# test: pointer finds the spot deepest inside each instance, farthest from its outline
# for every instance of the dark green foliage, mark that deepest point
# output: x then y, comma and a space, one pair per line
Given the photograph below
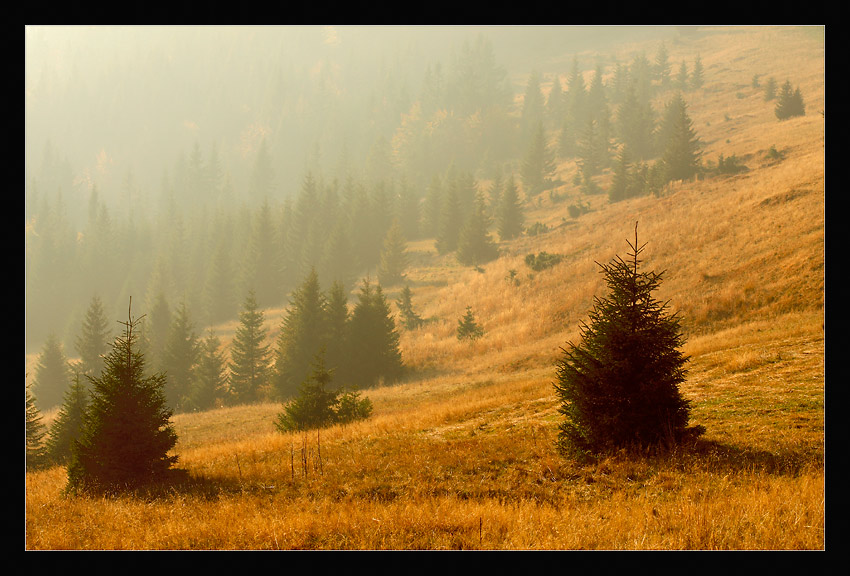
591, 153
475, 245
302, 334
336, 338
93, 341
52, 374
662, 66
682, 81
179, 359
537, 228
468, 328
249, 354
636, 125
374, 350
697, 77
127, 433
68, 424
510, 217
730, 165
625, 183
681, 145
210, 374
538, 166
619, 387
317, 406
542, 260
790, 102
770, 89
35, 433
409, 318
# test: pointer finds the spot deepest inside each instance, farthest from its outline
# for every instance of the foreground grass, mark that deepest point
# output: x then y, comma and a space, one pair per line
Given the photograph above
443, 466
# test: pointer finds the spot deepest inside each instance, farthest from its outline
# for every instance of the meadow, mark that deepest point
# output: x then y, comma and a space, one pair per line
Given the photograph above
461, 454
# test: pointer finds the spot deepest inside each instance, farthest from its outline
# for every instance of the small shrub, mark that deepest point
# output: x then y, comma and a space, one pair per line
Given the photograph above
317, 406
468, 328
541, 261
730, 165
537, 228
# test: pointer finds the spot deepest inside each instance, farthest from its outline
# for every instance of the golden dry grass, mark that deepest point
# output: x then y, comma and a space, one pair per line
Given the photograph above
461, 455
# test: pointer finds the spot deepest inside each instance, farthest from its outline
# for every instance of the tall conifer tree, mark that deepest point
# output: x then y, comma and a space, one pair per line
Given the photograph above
180, 357
375, 353
475, 245
682, 153
93, 341
52, 374
619, 387
68, 424
127, 434
302, 335
249, 354
35, 433
510, 212
210, 374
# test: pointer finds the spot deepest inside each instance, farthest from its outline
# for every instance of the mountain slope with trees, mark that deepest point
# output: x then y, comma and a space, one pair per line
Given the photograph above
461, 448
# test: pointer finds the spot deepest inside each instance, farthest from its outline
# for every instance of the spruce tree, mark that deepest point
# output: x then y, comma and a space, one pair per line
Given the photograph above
619, 387
93, 341
681, 156
538, 165
179, 359
68, 424
409, 318
249, 354
770, 89
697, 79
682, 77
302, 335
35, 433
662, 66
375, 353
52, 374
623, 184
319, 405
510, 213
210, 374
474, 244
313, 407
336, 337
468, 328
127, 433
789, 103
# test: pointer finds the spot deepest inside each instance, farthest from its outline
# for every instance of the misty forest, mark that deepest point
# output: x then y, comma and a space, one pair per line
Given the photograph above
238, 216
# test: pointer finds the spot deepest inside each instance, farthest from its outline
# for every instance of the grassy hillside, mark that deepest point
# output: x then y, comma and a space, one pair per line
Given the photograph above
462, 454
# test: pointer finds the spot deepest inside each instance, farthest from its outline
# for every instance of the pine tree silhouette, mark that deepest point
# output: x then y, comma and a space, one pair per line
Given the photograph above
127, 433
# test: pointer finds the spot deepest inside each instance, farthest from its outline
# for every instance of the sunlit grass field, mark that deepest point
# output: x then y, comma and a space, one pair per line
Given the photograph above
461, 454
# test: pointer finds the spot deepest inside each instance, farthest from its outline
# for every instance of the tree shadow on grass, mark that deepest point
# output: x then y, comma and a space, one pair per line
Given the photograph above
717, 456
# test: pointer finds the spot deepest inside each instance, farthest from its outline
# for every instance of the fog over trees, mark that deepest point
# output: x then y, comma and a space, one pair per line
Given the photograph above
197, 168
